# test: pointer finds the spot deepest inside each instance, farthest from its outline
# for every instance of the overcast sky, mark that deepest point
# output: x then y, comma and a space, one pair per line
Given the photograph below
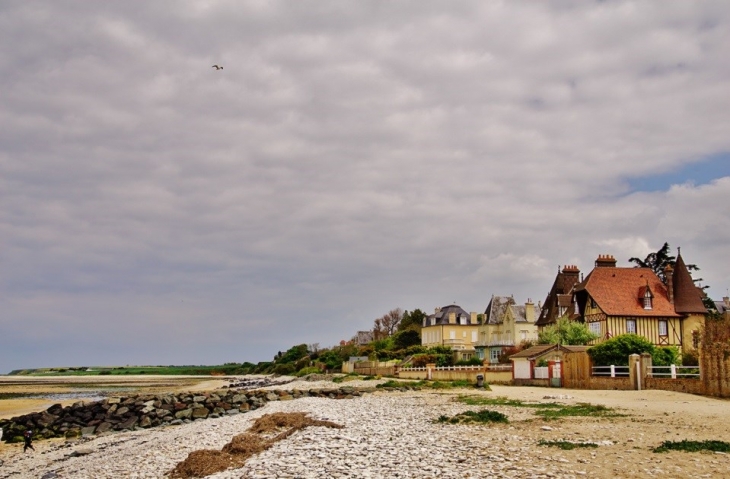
349, 158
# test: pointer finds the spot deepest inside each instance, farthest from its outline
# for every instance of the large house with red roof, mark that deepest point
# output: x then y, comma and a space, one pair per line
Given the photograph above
619, 300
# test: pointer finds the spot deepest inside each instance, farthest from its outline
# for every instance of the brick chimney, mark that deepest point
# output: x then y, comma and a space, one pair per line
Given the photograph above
571, 275
669, 281
605, 261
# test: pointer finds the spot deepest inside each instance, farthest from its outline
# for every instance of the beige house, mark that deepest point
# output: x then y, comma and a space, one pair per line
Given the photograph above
451, 326
506, 324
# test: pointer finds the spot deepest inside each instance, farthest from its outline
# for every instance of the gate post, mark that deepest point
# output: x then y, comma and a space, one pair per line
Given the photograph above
634, 372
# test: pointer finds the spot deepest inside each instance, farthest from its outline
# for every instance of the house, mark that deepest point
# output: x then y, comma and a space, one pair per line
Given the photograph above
525, 362
560, 298
451, 326
506, 324
618, 300
723, 307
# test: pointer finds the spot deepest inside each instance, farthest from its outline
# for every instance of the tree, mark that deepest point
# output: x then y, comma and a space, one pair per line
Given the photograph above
412, 320
658, 262
404, 339
565, 331
387, 324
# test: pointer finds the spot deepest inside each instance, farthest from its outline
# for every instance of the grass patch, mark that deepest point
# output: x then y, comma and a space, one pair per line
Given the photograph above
467, 417
565, 445
693, 446
544, 410
428, 384
579, 410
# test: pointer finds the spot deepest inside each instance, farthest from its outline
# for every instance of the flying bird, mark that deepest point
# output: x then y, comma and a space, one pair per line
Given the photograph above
217, 67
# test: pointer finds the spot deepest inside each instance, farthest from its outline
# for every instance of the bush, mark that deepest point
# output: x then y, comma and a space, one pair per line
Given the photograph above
302, 363
310, 370
284, 369
294, 354
469, 362
665, 356
691, 358
616, 351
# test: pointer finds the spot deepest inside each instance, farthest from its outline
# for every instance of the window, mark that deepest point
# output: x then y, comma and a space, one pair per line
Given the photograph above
593, 303
523, 335
473, 336
462, 319
595, 327
631, 326
463, 334
663, 330
452, 334
494, 355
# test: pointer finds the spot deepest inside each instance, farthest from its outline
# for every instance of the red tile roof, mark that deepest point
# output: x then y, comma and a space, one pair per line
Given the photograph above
618, 292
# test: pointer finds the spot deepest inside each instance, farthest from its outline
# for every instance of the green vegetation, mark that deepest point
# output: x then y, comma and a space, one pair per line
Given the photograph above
224, 369
427, 384
565, 331
466, 417
693, 446
580, 410
616, 351
544, 410
565, 445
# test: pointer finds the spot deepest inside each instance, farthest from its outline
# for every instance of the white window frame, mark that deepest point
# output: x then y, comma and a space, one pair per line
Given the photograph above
595, 327
663, 328
494, 355
631, 324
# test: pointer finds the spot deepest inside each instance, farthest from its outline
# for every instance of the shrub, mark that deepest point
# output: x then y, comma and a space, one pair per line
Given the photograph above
665, 356
616, 350
469, 362
420, 360
309, 370
302, 363
691, 358
284, 369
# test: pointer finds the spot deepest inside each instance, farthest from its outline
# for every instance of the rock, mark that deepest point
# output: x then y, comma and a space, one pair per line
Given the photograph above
199, 413
184, 414
87, 431
546, 428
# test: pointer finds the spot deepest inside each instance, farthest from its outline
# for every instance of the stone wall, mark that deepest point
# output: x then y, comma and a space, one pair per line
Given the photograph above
145, 411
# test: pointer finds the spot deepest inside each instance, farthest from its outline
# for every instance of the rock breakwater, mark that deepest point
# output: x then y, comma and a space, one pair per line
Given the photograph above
132, 412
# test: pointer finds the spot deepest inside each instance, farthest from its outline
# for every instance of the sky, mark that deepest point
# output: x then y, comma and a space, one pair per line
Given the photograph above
349, 158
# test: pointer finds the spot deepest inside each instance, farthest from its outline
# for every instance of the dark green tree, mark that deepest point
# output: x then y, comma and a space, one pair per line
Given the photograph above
294, 354
659, 260
412, 320
404, 339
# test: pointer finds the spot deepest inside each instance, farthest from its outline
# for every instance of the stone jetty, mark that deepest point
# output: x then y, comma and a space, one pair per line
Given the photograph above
128, 413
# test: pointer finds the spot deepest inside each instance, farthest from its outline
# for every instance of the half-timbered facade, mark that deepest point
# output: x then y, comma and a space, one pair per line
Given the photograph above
614, 301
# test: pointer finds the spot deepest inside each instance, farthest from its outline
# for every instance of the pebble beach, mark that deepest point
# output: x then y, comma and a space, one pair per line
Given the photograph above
395, 434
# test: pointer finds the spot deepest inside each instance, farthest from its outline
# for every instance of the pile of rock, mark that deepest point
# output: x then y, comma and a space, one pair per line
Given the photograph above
145, 411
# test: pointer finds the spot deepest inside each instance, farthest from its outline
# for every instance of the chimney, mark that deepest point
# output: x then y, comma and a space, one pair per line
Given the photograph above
472, 318
605, 261
529, 311
570, 277
452, 318
726, 300
669, 281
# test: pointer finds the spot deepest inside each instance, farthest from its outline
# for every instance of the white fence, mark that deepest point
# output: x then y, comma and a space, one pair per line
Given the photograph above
611, 371
496, 367
673, 371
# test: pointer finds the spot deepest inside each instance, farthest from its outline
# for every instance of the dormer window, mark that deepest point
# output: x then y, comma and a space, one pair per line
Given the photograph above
647, 298
462, 319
